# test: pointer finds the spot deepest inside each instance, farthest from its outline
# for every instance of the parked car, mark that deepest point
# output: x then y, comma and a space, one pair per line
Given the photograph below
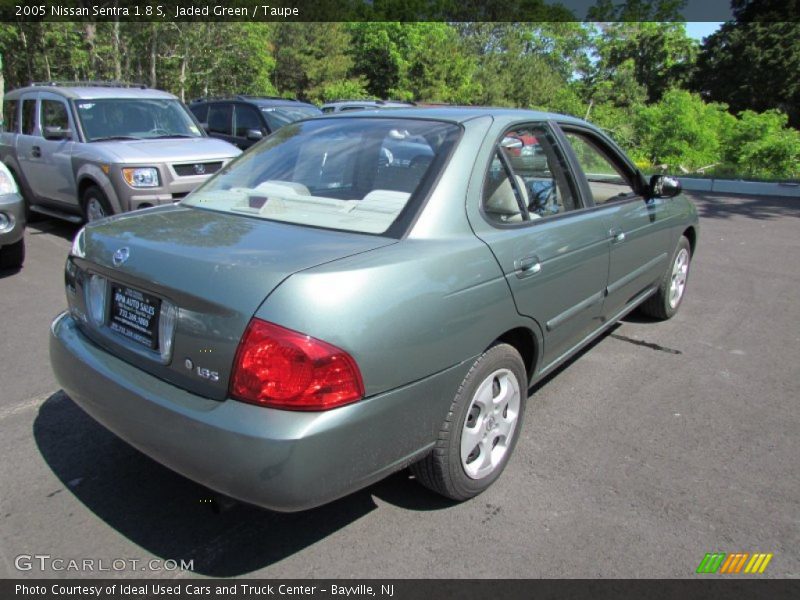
244, 120
346, 105
12, 222
82, 151
349, 316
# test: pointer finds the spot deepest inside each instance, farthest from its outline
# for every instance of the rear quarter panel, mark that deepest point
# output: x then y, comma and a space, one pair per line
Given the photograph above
403, 312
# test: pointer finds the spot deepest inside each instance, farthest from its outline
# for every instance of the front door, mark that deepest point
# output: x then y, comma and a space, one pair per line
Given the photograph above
637, 227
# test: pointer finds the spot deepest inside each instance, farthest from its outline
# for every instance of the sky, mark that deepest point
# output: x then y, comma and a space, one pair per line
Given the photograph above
699, 30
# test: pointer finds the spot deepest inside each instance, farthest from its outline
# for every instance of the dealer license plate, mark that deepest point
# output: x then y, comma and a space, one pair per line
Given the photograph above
134, 315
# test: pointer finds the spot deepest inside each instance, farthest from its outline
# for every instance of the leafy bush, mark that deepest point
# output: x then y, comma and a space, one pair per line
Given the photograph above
682, 131
761, 145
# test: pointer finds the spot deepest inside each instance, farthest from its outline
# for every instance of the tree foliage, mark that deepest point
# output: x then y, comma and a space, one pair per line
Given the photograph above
752, 65
632, 72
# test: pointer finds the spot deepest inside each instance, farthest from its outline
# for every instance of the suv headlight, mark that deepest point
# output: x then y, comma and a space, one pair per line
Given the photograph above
141, 177
7, 183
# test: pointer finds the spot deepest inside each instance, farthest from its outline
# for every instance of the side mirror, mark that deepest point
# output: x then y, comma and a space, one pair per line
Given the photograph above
254, 134
664, 186
52, 132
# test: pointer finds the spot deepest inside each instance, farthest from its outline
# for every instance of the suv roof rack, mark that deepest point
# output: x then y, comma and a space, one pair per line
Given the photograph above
87, 83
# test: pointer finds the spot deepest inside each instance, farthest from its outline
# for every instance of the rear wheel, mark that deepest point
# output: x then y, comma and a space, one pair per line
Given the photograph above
95, 204
481, 429
13, 255
666, 301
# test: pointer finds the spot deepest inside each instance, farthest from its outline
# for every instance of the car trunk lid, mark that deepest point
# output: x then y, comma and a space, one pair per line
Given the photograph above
215, 268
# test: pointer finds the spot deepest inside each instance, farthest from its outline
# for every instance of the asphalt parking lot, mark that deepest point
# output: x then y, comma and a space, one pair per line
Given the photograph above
659, 443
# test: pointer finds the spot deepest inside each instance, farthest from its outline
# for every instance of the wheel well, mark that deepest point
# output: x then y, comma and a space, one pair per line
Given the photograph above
524, 342
84, 184
691, 235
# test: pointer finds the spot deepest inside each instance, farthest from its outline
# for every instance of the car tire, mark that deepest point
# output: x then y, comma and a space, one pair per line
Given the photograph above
95, 204
672, 287
482, 426
13, 255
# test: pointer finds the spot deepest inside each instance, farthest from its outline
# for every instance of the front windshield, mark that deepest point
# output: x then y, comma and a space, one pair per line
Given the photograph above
278, 116
349, 174
135, 118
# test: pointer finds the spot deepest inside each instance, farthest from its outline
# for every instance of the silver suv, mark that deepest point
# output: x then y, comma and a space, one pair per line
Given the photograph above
81, 151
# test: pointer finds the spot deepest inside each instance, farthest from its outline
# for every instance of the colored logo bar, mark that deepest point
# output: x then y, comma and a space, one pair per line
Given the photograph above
734, 563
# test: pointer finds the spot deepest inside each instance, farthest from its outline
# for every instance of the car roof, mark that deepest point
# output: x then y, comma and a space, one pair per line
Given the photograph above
256, 100
460, 114
90, 92
368, 103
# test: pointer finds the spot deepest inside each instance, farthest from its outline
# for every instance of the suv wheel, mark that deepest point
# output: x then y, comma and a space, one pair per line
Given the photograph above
95, 204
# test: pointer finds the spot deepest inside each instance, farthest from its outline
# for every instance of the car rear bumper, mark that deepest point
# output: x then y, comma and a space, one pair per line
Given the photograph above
13, 207
281, 460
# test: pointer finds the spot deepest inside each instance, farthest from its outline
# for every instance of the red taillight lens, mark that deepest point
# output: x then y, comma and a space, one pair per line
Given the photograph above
281, 368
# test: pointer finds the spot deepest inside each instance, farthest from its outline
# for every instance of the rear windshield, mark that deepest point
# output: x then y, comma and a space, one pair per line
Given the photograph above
118, 118
349, 174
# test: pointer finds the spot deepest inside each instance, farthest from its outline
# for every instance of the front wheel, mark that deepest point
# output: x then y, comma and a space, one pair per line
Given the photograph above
481, 429
95, 204
666, 301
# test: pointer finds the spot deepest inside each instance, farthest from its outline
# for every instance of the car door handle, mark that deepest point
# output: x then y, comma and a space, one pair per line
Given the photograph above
527, 266
36, 152
617, 235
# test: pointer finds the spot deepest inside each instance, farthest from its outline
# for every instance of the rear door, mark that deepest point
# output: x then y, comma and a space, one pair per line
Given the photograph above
47, 164
29, 150
637, 227
553, 252
220, 121
56, 179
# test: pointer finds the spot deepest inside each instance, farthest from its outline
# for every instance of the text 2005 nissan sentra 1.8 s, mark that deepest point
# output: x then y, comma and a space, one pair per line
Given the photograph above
364, 292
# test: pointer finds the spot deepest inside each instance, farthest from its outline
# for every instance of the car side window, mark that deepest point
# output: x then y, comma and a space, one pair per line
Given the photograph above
246, 118
54, 114
502, 201
607, 181
11, 120
528, 178
219, 118
201, 112
28, 116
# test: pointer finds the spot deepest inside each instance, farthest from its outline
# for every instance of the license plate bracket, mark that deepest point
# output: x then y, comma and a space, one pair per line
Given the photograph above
134, 315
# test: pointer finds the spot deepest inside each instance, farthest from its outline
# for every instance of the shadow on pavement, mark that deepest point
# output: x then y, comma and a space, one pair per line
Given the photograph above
715, 206
171, 517
9, 272
46, 225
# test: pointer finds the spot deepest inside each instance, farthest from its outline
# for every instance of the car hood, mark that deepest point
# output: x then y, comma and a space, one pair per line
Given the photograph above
169, 150
217, 268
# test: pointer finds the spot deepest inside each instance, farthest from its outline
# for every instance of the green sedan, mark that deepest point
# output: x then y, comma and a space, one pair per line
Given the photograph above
320, 313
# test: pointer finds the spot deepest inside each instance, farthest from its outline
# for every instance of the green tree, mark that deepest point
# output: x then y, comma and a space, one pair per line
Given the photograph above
762, 145
752, 66
313, 61
527, 64
660, 55
682, 131
404, 61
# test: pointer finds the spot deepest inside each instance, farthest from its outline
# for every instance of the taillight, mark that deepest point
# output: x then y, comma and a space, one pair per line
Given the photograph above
281, 368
